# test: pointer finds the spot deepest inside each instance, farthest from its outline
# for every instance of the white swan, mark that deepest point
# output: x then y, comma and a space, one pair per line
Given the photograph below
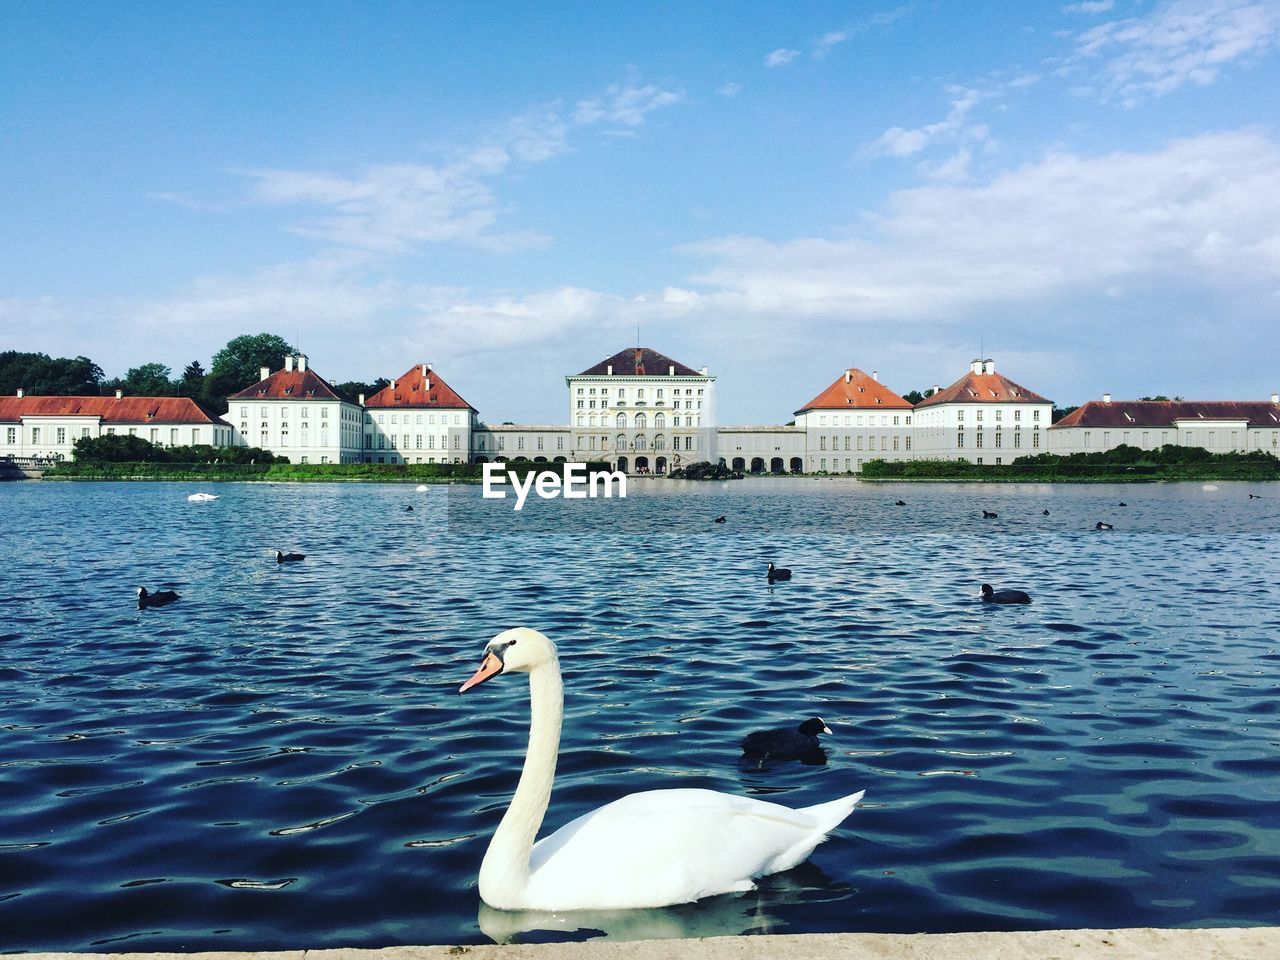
202, 497
649, 849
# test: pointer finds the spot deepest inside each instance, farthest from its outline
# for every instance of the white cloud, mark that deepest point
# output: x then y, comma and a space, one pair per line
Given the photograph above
393, 208
822, 46
900, 142
780, 57
625, 104
1180, 43
396, 207
1090, 6
1206, 208
730, 89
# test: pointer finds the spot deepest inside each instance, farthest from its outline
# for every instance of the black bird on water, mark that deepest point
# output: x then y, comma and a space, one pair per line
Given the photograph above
1003, 596
786, 744
1103, 526
719, 520
408, 509
1254, 496
1123, 504
1046, 513
988, 515
289, 557
158, 599
900, 503
778, 573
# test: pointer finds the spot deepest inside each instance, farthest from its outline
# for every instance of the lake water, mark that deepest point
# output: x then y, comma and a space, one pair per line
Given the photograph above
281, 759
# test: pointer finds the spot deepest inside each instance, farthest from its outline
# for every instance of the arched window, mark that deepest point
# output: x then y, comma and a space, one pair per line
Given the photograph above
641, 443
641, 421
659, 442
622, 421
659, 421
620, 442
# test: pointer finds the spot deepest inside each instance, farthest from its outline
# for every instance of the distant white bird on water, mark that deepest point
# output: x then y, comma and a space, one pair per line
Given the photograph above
647, 849
201, 498
421, 488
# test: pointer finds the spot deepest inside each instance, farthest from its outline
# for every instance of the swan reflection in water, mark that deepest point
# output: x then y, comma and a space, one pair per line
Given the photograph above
731, 914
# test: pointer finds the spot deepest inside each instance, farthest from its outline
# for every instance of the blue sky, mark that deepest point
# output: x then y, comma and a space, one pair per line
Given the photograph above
1090, 190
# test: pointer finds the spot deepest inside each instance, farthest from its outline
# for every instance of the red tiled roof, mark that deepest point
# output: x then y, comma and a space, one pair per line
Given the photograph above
983, 388
418, 387
639, 362
109, 409
1162, 413
854, 390
290, 385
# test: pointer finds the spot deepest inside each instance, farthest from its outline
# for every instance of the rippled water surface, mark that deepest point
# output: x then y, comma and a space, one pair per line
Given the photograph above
281, 758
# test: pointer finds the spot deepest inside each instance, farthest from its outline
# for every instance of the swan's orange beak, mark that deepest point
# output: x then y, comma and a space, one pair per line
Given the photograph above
491, 666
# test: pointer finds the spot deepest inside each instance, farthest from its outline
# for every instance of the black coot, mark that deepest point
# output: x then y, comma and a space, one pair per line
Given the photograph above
1003, 596
289, 557
786, 744
778, 573
158, 599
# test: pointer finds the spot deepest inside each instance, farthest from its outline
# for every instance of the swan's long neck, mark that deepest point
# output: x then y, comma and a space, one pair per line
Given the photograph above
505, 868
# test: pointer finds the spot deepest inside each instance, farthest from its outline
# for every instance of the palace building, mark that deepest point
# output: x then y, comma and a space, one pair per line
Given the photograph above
1219, 426
644, 413
984, 417
46, 428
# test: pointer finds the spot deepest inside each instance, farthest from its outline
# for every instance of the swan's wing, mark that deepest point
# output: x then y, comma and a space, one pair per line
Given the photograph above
668, 846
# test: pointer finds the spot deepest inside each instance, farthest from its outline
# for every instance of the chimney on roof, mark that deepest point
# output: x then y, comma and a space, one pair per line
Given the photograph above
1275, 397
671, 370
1106, 397
264, 372
848, 376
875, 375
302, 363
609, 371
425, 368
936, 389
360, 399
393, 384
119, 393
703, 371
288, 363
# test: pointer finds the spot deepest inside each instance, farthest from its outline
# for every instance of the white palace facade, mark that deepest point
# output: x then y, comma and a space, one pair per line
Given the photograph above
643, 413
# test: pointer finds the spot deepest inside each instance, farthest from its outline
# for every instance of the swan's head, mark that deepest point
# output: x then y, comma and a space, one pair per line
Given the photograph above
520, 650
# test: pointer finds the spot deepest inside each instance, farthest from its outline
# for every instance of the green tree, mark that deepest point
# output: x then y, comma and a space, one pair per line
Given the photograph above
238, 363
915, 396
149, 380
192, 383
41, 374
1060, 412
353, 388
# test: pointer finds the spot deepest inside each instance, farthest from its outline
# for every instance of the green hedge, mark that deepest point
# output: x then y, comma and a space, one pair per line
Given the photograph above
384, 472
1121, 464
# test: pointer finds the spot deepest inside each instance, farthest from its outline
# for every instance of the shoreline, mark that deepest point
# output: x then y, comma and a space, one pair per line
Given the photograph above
1133, 943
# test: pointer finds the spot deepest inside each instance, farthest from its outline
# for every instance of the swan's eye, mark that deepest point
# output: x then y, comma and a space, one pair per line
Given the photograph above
511, 643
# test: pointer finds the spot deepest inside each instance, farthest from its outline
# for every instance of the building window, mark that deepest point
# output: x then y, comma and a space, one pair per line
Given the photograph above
539, 443
519, 443
11, 435
1035, 414
62, 435
822, 442
620, 442
1017, 440
1017, 415
1035, 439
173, 437
895, 443
960, 439
979, 440
688, 443
999, 414
908, 443
1086, 438
998, 438
502, 443
621, 422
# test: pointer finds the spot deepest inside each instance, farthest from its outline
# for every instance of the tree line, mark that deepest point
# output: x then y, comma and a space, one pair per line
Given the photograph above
233, 368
